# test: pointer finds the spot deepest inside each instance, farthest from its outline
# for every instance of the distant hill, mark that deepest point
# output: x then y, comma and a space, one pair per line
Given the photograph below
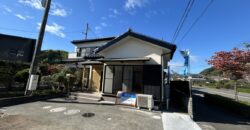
211, 72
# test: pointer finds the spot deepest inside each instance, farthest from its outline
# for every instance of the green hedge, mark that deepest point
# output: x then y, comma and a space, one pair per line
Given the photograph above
231, 105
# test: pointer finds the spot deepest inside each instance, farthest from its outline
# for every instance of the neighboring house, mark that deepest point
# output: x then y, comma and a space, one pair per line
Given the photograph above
16, 49
131, 62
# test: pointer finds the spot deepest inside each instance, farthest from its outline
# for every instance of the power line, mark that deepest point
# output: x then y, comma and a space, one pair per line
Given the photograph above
183, 19
197, 19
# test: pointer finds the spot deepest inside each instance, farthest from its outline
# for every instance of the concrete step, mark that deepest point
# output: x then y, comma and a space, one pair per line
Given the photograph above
85, 97
79, 98
82, 94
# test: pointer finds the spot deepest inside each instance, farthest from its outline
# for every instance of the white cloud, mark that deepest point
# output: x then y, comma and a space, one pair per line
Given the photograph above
54, 29
132, 4
104, 24
20, 16
114, 13
193, 58
98, 28
56, 8
59, 12
32, 3
6, 8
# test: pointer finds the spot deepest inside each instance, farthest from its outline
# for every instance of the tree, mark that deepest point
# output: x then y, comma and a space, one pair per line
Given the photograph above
52, 56
247, 45
233, 63
22, 76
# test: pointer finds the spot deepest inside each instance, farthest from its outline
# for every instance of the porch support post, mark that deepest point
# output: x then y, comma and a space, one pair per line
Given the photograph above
90, 76
103, 77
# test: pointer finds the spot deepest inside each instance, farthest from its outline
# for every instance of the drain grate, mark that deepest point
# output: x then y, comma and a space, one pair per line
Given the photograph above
88, 114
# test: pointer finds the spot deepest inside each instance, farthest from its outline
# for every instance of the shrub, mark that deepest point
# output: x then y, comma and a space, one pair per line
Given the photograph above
22, 76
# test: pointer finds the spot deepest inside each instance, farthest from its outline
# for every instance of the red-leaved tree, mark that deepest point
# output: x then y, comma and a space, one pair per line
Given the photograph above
234, 63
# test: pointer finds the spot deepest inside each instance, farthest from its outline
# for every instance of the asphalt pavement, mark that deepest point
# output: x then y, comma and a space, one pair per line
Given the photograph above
212, 117
58, 114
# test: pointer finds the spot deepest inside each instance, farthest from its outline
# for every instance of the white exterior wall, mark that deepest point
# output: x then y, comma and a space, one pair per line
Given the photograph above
134, 48
72, 55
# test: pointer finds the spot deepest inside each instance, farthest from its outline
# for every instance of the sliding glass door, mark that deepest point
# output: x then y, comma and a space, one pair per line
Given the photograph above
126, 78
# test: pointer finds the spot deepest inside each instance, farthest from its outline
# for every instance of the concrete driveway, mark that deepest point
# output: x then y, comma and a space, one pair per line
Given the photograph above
56, 114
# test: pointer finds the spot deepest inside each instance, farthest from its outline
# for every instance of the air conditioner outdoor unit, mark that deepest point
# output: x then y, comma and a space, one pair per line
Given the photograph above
145, 101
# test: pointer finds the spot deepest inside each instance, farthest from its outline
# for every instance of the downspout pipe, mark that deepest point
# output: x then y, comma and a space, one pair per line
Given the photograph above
163, 79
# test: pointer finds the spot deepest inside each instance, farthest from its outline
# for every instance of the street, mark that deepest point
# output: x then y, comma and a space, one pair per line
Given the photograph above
59, 114
211, 117
224, 92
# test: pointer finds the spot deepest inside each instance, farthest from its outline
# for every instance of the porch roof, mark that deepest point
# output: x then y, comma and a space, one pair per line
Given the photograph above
124, 59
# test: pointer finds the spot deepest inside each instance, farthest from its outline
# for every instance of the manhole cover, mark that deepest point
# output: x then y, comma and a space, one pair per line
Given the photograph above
88, 114
59, 109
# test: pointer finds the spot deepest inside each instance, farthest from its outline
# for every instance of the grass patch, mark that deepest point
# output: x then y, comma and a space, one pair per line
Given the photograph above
246, 103
241, 108
244, 90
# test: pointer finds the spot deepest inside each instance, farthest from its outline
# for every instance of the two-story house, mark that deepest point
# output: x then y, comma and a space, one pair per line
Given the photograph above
131, 62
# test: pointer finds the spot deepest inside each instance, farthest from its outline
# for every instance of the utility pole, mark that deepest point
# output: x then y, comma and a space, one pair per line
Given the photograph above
86, 31
34, 63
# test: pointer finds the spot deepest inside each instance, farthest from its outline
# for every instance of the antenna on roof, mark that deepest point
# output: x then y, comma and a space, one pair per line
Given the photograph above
86, 31
129, 30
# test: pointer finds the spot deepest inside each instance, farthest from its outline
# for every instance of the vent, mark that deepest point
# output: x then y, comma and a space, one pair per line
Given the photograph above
145, 101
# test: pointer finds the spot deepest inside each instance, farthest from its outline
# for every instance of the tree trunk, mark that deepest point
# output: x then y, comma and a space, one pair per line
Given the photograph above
236, 91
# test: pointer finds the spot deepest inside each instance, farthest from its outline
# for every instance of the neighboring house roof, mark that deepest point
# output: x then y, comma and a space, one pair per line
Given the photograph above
72, 60
154, 41
125, 59
18, 37
92, 40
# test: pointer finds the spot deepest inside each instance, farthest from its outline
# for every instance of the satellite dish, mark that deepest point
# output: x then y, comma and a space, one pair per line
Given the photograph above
44, 3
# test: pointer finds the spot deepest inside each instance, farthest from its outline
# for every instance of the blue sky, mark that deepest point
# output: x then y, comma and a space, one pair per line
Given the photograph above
225, 25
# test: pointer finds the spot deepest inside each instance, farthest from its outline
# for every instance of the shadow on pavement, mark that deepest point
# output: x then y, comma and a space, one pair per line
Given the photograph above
25, 99
204, 112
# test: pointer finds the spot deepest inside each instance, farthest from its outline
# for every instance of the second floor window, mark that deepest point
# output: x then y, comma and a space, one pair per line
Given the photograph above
81, 52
